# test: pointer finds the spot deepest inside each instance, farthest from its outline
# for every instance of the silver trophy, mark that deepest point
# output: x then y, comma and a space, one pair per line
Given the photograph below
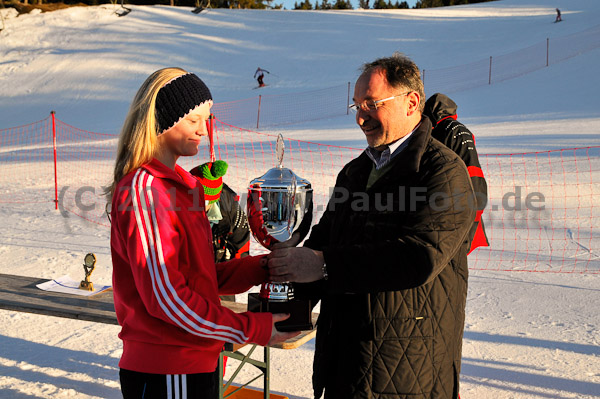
279, 208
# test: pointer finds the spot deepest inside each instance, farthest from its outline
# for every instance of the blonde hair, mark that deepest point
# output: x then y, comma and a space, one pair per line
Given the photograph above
138, 142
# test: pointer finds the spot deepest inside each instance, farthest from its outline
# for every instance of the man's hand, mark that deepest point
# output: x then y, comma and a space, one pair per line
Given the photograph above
301, 265
278, 336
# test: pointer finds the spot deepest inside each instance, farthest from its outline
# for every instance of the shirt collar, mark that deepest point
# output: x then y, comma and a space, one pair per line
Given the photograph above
382, 158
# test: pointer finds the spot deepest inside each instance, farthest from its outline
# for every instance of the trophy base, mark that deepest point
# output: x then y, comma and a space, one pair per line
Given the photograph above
300, 311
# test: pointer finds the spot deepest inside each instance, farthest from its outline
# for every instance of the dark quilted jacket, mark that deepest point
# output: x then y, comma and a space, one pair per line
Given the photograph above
392, 310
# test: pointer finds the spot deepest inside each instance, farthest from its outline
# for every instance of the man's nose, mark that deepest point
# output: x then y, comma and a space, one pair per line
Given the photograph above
361, 116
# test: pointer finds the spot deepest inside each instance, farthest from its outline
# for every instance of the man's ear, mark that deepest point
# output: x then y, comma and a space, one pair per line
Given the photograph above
414, 99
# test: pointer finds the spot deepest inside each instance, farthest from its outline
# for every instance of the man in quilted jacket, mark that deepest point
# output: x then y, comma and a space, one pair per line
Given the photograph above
388, 259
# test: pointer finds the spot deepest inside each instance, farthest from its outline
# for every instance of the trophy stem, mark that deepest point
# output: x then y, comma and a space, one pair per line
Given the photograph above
277, 292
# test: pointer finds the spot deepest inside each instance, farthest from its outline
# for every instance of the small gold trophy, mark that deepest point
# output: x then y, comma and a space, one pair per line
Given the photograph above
89, 264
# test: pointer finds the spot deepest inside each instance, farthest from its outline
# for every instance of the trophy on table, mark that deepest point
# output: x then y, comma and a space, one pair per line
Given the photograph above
89, 264
279, 209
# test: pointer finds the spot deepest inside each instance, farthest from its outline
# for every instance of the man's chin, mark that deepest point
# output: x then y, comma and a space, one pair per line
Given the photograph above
375, 144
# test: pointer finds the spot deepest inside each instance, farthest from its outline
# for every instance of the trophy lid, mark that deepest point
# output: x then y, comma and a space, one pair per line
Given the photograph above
280, 178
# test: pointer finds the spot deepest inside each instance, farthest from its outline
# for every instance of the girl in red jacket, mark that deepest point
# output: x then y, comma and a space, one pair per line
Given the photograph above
166, 284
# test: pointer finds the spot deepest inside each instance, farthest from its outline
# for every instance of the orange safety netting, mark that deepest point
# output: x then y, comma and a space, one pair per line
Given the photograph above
540, 215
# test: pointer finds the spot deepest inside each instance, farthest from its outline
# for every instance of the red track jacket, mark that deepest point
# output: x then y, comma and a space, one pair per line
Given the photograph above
166, 285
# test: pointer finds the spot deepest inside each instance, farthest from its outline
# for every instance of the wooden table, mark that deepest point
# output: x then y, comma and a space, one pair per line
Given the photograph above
19, 293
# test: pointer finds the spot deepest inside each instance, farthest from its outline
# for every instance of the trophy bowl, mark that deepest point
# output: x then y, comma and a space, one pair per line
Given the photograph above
279, 208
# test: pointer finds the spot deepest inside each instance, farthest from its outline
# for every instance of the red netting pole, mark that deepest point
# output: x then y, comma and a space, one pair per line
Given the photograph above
215, 134
55, 166
258, 116
210, 124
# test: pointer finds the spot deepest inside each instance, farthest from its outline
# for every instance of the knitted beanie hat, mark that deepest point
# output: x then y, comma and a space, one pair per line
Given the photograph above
211, 175
178, 98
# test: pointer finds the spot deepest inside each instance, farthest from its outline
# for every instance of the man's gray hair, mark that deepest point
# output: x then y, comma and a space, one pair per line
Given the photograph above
401, 73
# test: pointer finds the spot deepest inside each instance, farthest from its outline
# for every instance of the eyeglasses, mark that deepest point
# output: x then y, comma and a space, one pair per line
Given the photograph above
372, 105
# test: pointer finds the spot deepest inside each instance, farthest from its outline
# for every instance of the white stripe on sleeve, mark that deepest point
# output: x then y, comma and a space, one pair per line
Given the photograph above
144, 208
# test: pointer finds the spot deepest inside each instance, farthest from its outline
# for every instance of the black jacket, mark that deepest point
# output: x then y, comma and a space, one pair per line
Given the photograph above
232, 233
392, 309
441, 110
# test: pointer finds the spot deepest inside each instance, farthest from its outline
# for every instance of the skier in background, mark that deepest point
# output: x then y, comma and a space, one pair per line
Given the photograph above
558, 17
259, 75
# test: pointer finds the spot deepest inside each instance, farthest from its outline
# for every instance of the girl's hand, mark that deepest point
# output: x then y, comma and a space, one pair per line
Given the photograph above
278, 336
